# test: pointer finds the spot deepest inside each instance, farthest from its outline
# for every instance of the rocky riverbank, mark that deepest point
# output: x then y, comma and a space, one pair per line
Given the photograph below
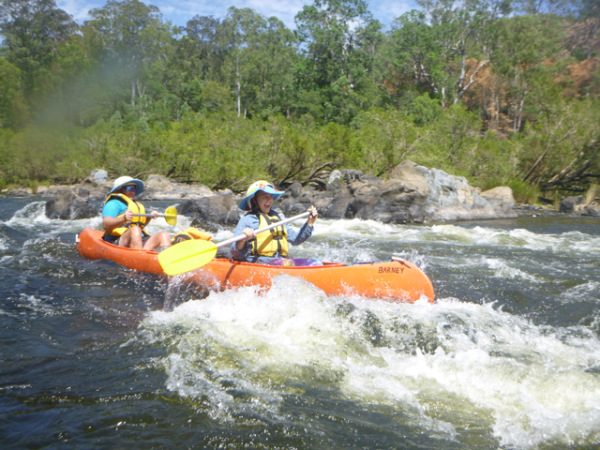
412, 194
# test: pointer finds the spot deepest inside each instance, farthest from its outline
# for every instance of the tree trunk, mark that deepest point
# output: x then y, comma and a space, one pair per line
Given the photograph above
238, 86
521, 103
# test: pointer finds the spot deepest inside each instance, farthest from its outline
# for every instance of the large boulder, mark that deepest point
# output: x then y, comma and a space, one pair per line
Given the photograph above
570, 204
591, 209
501, 197
78, 209
386, 202
412, 194
208, 211
99, 176
294, 190
94, 190
413, 177
448, 197
70, 203
158, 187
337, 207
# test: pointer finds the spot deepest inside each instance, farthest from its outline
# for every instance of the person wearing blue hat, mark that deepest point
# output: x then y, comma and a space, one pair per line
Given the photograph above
268, 246
120, 225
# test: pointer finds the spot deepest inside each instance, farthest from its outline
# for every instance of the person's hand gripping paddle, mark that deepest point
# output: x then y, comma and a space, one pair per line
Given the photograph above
190, 255
170, 215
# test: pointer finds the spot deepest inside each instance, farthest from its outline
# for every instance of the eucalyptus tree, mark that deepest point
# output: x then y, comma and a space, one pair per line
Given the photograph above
273, 68
33, 33
339, 39
589, 8
131, 35
13, 109
521, 50
199, 49
554, 7
176, 79
417, 53
439, 44
239, 35
584, 37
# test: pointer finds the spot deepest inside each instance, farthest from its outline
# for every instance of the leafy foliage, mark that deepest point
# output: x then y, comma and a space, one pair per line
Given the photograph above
501, 92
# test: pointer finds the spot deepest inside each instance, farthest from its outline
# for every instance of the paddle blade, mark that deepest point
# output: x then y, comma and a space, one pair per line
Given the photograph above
171, 215
186, 256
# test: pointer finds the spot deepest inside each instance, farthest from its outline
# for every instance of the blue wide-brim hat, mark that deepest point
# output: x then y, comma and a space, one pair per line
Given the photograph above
264, 186
122, 181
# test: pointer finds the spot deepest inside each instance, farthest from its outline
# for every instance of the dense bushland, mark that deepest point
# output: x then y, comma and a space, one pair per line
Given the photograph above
500, 92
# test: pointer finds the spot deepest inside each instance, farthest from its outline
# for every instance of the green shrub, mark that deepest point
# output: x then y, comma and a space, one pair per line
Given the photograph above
524, 192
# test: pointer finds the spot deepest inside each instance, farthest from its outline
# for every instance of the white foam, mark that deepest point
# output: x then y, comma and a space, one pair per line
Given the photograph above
502, 269
581, 292
241, 350
569, 242
3, 243
32, 220
36, 305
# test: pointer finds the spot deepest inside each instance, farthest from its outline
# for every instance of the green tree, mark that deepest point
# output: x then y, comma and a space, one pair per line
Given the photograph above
521, 46
199, 49
388, 137
33, 32
554, 7
13, 109
240, 33
340, 39
435, 45
273, 68
132, 35
563, 144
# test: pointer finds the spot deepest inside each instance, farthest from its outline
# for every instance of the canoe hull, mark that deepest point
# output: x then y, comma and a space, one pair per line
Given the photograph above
395, 280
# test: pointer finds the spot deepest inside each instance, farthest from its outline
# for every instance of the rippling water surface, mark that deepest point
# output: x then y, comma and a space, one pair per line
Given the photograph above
508, 356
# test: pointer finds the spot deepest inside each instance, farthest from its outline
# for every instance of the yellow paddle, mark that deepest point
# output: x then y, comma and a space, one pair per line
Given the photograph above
170, 215
192, 254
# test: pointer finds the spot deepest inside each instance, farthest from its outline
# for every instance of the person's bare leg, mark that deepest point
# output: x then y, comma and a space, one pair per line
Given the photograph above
132, 238
162, 239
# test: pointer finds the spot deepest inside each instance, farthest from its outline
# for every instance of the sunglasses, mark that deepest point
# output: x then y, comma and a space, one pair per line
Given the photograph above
129, 188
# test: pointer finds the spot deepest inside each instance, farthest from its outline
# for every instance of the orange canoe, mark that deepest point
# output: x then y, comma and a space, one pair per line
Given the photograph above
394, 280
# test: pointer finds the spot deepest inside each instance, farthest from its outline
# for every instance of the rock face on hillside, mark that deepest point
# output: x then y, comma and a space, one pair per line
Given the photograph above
412, 194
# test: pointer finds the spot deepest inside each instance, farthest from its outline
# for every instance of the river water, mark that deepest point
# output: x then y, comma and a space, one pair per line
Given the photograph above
508, 357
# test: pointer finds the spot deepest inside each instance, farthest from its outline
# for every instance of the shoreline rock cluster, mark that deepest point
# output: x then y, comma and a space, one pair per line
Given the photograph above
412, 194
580, 206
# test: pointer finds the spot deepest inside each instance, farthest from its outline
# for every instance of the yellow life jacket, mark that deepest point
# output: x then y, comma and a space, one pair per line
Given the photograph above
135, 207
190, 233
270, 242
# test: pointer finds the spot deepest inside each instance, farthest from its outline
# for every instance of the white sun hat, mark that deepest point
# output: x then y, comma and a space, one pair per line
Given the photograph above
122, 181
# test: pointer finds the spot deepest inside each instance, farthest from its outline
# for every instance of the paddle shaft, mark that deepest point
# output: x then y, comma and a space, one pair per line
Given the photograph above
152, 215
241, 237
